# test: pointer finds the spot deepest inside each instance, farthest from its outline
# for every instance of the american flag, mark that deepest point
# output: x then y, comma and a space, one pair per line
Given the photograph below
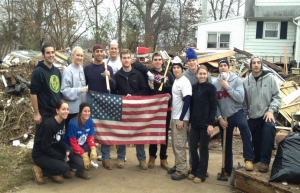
121, 120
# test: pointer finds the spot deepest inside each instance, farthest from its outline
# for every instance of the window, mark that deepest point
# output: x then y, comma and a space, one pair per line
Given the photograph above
212, 41
271, 30
218, 40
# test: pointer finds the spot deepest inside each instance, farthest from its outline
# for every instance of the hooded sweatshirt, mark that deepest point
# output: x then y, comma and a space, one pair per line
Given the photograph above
261, 96
45, 83
193, 77
73, 80
230, 99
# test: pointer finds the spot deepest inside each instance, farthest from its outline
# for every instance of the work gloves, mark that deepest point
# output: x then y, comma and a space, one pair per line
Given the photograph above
93, 155
86, 161
150, 76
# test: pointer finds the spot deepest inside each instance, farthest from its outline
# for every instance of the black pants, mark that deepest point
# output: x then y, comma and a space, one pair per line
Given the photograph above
76, 161
44, 118
51, 166
163, 148
198, 136
263, 137
68, 119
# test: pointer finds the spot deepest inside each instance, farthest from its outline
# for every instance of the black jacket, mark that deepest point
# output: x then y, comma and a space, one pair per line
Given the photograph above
50, 135
167, 88
45, 83
135, 85
203, 105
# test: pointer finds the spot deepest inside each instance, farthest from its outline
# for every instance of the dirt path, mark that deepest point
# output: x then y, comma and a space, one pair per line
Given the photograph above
132, 179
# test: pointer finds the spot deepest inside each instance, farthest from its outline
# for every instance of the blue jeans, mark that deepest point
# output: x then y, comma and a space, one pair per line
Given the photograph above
263, 134
238, 119
140, 152
105, 152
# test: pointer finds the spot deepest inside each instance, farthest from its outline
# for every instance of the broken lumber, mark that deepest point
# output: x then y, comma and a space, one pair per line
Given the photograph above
271, 65
11, 57
215, 57
63, 50
213, 63
61, 55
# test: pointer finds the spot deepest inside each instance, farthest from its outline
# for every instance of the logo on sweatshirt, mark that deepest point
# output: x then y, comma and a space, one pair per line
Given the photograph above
223, 94
54, 83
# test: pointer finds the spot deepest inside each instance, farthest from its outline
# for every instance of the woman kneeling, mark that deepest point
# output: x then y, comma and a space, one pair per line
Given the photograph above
50, 153
203, 111
80, 136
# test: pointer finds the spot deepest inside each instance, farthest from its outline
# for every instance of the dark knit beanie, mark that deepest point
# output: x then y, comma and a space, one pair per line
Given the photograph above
190, 54
223, 60
82, 105
96, 47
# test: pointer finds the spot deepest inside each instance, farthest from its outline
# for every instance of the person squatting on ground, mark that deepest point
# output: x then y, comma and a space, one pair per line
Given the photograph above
95, 80
45, 86
262, 103
50, 153
203, 110
114, 61
73, 86
230, 93
80, 136
191, 74
130, 82
156, 74
181, 96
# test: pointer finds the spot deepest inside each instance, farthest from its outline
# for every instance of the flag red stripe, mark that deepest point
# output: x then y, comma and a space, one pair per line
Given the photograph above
100, 125
146, 134
143, 119
144, 97
125, 105
106, 142
162, 110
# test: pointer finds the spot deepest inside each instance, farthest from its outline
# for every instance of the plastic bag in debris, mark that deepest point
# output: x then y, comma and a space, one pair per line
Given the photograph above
17, 89
286, 166
296, 128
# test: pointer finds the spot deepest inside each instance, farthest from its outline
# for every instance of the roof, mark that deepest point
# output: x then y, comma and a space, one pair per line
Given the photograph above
199, 24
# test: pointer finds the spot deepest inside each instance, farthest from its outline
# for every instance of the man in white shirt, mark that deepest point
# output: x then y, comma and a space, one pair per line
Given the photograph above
181, 95
114, 61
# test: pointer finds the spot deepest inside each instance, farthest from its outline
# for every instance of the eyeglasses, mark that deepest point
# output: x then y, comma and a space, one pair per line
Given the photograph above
157, 60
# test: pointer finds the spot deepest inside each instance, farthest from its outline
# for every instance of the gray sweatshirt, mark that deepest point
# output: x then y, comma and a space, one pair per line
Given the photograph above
230, 99
261, 96
193, 77
72, 81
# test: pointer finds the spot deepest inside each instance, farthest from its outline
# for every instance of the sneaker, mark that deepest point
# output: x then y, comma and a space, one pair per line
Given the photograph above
164, 164
263, 167
82, 174
226, 174
67, 175
57, 179
190, 169
171, 170
249, 166
120, 163
191, 176
38, 175
151, 162
178, 176
106, 165
143, 165
197, 180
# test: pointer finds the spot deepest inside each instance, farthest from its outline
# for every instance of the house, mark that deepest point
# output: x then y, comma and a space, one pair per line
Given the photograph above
221, 35
270, 25
266, 27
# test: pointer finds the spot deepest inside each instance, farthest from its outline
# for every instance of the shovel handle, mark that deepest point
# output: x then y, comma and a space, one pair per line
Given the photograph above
224, 145
161, 85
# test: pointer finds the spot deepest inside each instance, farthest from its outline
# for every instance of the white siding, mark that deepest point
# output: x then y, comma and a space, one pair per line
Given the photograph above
276, 2
233, 26
269, 47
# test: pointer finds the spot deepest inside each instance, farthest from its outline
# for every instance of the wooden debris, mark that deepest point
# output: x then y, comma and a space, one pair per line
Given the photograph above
215, 57
61, 55
271, 65
63, 50
11, 57
214, 63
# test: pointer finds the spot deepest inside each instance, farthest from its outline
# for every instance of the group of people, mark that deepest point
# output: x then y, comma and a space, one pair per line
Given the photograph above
59, 100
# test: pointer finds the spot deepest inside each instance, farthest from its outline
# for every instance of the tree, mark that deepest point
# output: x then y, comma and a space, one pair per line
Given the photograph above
147, 17
223, 9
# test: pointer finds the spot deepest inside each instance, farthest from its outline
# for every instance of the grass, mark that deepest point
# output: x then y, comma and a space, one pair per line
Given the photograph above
15, 167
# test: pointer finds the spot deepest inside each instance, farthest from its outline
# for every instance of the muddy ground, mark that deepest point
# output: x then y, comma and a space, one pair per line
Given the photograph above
133, 179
